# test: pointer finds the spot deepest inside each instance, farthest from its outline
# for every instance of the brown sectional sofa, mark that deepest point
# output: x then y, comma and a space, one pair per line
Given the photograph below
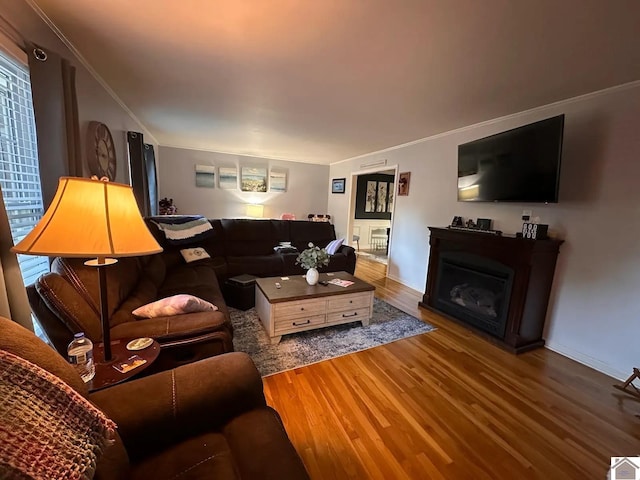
66, 300
208, 419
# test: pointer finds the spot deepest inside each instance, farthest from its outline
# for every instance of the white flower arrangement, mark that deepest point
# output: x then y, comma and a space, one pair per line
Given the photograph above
313, 257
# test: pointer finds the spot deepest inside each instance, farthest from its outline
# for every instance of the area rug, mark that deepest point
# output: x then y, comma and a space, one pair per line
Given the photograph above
296, 350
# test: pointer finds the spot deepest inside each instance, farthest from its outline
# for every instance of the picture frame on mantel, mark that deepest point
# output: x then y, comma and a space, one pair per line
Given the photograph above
338, 185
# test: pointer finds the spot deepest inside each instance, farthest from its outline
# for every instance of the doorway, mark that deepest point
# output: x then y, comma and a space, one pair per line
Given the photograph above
371, 212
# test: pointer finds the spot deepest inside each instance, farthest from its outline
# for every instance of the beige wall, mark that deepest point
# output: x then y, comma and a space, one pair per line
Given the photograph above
94, 101
307, 186
594, 314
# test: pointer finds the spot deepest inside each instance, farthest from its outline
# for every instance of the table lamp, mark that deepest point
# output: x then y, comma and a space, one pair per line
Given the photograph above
91, 218
255, 211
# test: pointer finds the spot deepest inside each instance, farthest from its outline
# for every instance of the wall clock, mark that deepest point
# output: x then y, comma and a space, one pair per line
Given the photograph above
101, 154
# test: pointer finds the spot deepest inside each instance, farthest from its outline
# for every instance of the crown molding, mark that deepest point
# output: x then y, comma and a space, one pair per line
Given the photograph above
568, 101
54, 28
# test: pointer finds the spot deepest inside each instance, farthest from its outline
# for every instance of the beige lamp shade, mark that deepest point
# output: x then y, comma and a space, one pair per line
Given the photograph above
90, 218
255, 211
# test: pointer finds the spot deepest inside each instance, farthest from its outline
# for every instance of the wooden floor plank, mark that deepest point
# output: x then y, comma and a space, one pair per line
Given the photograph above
450, 405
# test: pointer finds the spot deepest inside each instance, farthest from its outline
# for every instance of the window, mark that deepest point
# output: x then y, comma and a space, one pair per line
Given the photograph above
19, 169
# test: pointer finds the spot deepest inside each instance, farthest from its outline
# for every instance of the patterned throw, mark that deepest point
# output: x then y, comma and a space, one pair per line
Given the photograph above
47, 429
183, 229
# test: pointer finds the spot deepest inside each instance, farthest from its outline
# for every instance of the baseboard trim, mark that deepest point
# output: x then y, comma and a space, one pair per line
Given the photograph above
586, 360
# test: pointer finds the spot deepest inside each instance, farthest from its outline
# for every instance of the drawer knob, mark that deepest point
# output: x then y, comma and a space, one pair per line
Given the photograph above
297, 324
344, 315
301, 308
350, 301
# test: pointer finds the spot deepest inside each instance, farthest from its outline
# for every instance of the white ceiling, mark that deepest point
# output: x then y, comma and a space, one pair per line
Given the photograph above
324, 80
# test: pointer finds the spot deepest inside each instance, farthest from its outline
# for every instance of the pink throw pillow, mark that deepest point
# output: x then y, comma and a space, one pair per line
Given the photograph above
175, 305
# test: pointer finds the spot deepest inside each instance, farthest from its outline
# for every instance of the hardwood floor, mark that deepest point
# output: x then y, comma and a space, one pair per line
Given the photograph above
450, 405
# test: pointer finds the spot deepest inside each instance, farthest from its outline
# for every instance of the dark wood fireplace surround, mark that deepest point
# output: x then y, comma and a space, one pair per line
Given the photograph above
533, 263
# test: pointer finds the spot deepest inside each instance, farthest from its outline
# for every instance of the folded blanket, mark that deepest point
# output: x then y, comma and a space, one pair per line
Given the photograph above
47, 429
184, 229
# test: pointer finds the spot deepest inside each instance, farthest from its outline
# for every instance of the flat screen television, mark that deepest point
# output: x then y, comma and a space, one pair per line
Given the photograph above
519, 165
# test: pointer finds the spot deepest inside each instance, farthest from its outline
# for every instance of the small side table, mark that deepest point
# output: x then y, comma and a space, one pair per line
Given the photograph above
106, 375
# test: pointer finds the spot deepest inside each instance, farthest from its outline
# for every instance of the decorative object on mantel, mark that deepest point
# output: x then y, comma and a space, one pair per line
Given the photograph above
404, 179
534, 231
628, 386
101, 153
167, 207
310, 259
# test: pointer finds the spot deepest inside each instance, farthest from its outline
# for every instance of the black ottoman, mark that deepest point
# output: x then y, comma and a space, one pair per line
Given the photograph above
240, 292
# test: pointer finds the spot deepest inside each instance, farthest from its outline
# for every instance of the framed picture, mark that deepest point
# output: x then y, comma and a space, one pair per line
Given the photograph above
374, 196
253, 179
403, 183
337, 185
228, 178
205, 176
277, 181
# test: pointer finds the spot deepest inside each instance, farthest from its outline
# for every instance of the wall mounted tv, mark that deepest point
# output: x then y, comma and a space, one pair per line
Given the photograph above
519, 165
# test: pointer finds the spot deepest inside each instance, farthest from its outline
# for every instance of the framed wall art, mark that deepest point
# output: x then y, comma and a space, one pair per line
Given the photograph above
403, 183
228, 177
338, 185
253, 179
205, 176
374, 196
277, 181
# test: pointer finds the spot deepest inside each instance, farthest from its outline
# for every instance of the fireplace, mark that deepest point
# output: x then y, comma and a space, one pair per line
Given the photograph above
474, 289
496, 285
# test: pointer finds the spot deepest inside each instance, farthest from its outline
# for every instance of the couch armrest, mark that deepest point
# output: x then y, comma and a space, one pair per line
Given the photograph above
159, 410
347, 250
172, 327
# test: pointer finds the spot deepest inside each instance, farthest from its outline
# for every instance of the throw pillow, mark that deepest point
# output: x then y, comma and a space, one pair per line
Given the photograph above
333, 246
175, 305
193, 254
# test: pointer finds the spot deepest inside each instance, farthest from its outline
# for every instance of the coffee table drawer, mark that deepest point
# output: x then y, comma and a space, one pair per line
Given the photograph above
349, 315
290, 325
300, 308
349, 301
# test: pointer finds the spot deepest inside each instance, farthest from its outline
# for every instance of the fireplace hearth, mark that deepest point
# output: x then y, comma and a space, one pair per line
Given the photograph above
498, 286
474, 289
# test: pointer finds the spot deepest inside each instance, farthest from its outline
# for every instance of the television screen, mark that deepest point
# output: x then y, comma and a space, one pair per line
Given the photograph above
519, 165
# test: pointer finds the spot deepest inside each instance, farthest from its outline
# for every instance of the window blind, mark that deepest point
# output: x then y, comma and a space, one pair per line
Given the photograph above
19, 169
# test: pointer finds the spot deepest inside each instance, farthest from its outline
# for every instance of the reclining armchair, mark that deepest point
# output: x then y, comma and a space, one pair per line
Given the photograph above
207, 419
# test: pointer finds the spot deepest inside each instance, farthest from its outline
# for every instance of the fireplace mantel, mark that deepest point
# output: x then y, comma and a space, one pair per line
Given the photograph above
533, 263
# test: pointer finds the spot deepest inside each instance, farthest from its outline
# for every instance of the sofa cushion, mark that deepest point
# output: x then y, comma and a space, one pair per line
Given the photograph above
174, 305
259, 265
244, 237
319, 233
172, 327
122, 278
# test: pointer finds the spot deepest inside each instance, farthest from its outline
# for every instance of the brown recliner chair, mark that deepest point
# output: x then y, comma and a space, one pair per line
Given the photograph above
207, 419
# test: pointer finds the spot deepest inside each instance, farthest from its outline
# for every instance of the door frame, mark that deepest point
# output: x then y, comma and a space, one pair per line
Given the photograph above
352, 201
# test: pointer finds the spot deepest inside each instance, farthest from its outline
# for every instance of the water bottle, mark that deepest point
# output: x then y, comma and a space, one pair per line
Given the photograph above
80, 354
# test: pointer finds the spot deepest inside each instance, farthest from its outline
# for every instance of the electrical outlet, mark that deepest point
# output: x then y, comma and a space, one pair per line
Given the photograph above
526, 215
